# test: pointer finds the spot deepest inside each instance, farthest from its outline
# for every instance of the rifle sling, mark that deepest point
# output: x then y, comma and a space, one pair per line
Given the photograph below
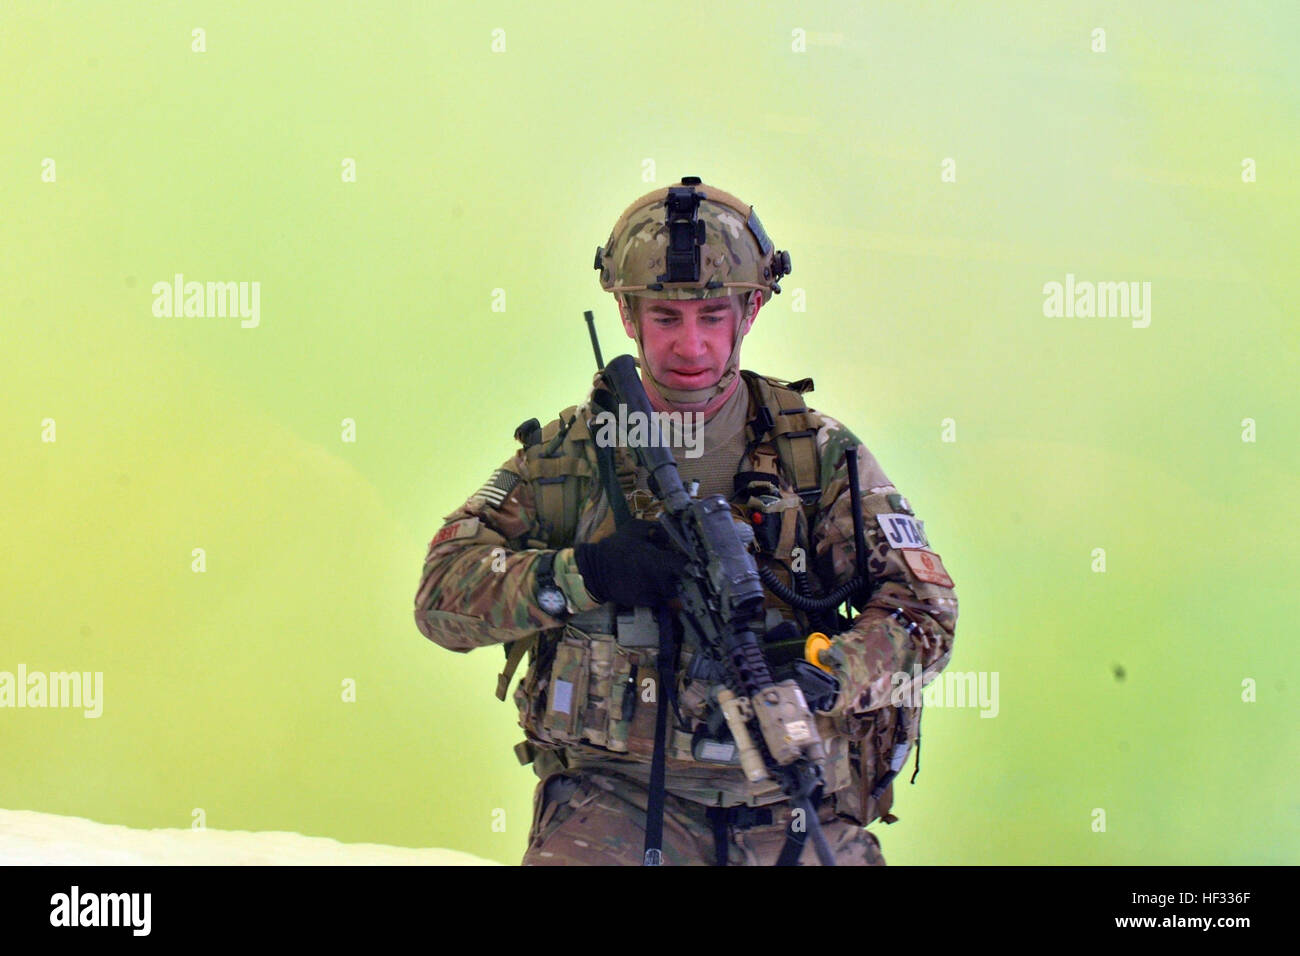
654, 811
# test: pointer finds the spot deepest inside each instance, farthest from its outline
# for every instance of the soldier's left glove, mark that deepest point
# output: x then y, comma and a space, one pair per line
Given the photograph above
636, 566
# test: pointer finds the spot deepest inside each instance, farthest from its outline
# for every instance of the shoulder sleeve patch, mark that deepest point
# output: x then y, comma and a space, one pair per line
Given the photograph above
902, 530
463, 528
497, 488
927, 566
899, 503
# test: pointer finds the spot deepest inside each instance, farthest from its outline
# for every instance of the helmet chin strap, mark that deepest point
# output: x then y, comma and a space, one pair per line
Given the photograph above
689, 396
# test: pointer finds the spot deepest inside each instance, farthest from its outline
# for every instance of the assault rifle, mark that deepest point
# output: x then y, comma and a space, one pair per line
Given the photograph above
721, 597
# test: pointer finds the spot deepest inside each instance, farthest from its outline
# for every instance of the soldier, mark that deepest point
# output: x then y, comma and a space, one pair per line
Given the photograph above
533, 561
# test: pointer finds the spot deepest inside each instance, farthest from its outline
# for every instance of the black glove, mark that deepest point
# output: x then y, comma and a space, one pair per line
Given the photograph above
636, 566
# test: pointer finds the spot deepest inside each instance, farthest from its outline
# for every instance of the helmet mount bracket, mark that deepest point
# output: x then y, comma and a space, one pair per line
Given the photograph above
686, 235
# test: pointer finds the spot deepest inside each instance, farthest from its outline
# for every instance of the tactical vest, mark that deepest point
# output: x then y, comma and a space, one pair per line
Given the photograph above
563, 482
782, 435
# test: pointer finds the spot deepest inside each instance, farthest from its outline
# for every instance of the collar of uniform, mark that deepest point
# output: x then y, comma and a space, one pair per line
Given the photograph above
722, 426
728, 420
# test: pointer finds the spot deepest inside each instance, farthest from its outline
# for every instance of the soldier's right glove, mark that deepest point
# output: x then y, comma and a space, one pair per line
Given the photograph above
636, 566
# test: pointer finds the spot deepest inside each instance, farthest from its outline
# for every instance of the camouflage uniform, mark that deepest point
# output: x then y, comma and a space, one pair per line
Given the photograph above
906, 628
586, 700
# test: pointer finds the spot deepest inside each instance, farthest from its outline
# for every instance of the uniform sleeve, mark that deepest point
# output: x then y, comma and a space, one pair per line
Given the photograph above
907, 625
479, 582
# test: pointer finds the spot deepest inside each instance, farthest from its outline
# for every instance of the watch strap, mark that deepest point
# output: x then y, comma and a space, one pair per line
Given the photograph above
546, 570
546, 583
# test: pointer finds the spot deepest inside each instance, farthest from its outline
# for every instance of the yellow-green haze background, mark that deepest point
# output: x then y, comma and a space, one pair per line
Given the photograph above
1161, 690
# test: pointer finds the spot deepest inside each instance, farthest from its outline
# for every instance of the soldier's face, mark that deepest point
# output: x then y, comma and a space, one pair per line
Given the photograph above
687, 341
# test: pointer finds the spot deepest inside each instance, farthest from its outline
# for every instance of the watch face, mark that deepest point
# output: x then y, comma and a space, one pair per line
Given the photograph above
551, 600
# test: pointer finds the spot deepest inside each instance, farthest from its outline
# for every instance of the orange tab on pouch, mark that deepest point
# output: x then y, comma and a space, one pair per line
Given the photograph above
926, 566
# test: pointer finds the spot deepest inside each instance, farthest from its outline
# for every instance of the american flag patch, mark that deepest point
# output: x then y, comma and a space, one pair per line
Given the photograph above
497, 488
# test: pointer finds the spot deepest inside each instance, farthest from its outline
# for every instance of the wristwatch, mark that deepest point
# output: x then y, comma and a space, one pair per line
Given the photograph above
549, 596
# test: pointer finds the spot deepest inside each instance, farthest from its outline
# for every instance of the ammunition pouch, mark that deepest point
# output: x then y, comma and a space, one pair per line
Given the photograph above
585, 688
878, 742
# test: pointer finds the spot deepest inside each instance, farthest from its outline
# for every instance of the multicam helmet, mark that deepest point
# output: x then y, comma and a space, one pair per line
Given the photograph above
690, 241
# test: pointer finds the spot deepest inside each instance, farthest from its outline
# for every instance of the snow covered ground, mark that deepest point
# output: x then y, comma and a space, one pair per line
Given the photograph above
29, 838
